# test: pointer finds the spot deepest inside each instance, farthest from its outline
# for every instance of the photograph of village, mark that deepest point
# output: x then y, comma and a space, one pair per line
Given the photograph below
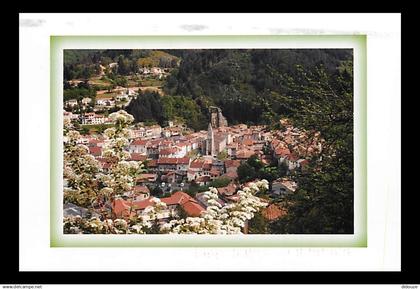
208, 141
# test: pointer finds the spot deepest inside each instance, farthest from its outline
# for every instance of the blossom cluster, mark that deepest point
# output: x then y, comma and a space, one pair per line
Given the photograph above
218, 219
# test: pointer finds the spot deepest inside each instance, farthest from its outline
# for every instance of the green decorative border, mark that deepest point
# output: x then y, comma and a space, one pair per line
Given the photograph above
58, 43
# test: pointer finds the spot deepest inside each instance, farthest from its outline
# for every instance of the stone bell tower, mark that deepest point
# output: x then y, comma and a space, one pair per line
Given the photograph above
210, 149
216, 117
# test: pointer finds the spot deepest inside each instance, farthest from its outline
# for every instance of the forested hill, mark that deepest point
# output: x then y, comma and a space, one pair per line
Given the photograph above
246, 83
252, 86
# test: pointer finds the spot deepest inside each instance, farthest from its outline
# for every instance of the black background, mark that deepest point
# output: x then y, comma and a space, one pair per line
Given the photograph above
9, 251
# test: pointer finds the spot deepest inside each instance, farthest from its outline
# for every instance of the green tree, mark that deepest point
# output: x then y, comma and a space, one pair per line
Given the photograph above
246, 172
255, 162
258, 225
324, 201
84, 130
220, 182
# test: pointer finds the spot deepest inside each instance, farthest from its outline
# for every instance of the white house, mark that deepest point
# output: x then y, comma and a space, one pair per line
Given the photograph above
93, 118
71, 102
105, 101
138, 146
283, 186
86, 100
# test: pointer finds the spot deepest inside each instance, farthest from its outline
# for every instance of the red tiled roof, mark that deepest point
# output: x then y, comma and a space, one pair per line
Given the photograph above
96, 151
273, 212
193, 209
228, 190
138, 157
196, 165
282, 151
173, 161
232, 163
190, 205
143, 204
141, 189
184, 161
146, 177
207, 166
203, 179
230, 175
152, 163
244, 154
139, 142
167, 151
121, 208
214, 172
248, 142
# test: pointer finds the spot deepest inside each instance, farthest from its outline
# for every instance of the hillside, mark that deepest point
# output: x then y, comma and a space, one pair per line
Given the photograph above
246, 83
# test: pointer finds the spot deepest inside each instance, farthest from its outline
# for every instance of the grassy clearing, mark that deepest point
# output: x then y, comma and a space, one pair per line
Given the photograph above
106, 95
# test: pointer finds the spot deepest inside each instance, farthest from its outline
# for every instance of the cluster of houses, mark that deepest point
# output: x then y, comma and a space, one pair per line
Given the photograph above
195, 157
154, 71
294, 147
174, 157
181, 202
87, 118
123, 96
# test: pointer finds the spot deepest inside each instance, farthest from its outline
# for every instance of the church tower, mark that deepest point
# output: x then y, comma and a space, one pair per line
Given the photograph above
210, 149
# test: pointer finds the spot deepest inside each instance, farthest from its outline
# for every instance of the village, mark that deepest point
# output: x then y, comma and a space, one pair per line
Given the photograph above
180, 163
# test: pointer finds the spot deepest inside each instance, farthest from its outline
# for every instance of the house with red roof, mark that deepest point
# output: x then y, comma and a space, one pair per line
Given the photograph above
244, 154
138, 146
180, 165
273, 212
172, 152
146, 178
137, 157
177, 201
186, 202
140, 193
95, 151
233, 175
203, 180
228, 190
195, 170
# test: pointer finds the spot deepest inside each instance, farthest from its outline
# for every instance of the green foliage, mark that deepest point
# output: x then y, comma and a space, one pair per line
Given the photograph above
124, 66
186, 109
84, 130
223, 155
147, 106
80, 63
78, 93
220, 182
323, 203
253, 168
158, 59
194, 188
246, 83
156, 191
246, 172
85, 63
255, 162
258, 225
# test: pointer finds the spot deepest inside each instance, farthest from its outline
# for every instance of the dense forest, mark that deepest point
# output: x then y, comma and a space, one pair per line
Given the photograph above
246, 83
